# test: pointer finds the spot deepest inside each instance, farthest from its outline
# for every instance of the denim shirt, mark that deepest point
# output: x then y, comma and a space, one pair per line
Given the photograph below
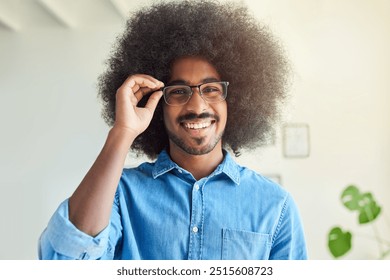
161, 211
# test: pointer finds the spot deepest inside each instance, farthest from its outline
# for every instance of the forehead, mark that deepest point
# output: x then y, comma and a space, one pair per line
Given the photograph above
192, 70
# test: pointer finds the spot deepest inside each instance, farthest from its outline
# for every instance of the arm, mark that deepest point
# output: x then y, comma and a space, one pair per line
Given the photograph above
91, 203
289, 240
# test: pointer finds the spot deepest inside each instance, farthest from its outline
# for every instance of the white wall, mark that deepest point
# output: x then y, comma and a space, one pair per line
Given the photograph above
340, 51
52, 130
51, 126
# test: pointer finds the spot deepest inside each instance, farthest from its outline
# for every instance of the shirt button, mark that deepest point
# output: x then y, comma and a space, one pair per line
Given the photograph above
195, 229
196, 187
180, 171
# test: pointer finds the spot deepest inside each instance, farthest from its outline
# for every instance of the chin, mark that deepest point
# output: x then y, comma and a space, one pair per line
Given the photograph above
197, 151
200, 148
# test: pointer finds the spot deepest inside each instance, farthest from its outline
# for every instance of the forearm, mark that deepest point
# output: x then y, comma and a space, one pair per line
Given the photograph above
90, 205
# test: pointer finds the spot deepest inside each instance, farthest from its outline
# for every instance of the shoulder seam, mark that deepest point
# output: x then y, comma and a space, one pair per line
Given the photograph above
277, 230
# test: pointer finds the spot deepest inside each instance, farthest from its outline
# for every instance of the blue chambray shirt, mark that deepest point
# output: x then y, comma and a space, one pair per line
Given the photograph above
161, 212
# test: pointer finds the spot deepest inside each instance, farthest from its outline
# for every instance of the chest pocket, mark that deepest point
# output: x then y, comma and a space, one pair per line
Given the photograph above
245, 245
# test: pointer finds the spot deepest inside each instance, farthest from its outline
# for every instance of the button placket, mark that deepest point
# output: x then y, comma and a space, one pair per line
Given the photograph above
196, 222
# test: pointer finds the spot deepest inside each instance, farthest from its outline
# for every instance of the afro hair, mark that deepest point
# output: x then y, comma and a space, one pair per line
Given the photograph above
243, 51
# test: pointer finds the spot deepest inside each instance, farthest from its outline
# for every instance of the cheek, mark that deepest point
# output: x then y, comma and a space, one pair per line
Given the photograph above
169, 116
223, 111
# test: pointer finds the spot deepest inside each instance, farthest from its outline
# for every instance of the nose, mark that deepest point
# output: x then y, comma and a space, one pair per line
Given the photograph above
196, 103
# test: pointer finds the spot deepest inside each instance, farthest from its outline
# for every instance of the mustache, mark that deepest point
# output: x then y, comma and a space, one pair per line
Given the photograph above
193, 116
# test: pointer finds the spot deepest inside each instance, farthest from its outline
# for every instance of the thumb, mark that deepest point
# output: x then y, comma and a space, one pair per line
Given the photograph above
153, 101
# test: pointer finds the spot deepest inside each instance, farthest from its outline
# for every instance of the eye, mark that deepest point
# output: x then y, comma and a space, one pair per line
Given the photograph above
210, 89
178, 91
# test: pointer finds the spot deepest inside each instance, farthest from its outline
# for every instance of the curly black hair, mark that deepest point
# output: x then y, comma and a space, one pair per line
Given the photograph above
244, 53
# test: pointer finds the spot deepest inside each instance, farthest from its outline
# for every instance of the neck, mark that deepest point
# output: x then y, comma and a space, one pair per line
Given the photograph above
199, 166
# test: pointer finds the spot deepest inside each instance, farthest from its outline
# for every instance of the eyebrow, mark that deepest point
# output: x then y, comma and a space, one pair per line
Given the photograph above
184, 82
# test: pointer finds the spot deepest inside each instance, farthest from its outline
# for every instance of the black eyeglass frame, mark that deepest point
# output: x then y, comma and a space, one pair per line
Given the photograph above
225, 83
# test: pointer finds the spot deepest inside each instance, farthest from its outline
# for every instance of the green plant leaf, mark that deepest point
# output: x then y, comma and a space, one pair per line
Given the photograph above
350, 197
364, 203
339, 242
369, 213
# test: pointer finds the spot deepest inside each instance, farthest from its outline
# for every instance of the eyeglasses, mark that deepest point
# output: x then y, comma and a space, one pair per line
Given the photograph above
213, 92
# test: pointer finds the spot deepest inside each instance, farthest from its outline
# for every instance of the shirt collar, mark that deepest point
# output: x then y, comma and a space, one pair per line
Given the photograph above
228, 166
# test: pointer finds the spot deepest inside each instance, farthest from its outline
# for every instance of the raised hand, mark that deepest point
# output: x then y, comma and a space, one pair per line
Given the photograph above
128, 115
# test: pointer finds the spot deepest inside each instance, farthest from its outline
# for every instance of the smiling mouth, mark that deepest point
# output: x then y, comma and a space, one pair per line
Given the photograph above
198, 125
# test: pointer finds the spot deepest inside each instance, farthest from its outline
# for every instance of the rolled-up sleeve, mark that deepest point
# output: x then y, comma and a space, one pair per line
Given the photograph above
62, 240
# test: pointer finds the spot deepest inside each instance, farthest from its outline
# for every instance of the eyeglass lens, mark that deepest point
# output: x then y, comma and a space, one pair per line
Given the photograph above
210, 92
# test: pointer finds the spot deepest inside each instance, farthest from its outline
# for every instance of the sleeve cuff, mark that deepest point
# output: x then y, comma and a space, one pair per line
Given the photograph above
69, 241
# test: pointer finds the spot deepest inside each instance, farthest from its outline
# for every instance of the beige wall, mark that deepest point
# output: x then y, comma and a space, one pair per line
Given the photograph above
340, 51
52, 130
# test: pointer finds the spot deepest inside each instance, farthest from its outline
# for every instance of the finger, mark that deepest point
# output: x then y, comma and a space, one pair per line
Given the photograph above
139, 81
142, 92
153, 101
137, 86
133, 83
154, 80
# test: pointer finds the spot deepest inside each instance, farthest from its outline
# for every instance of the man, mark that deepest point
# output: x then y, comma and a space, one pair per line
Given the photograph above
166, 96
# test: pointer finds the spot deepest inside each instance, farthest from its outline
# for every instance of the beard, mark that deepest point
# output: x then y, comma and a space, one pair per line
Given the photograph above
195, 150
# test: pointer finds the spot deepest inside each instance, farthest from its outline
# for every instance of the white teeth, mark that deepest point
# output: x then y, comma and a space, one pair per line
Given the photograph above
197, 125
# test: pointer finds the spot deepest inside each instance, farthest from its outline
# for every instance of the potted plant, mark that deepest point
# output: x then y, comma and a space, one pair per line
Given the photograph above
340, 240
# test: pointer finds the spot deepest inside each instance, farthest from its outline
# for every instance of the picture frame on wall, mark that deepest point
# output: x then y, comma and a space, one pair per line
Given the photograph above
296, 140
277, 178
